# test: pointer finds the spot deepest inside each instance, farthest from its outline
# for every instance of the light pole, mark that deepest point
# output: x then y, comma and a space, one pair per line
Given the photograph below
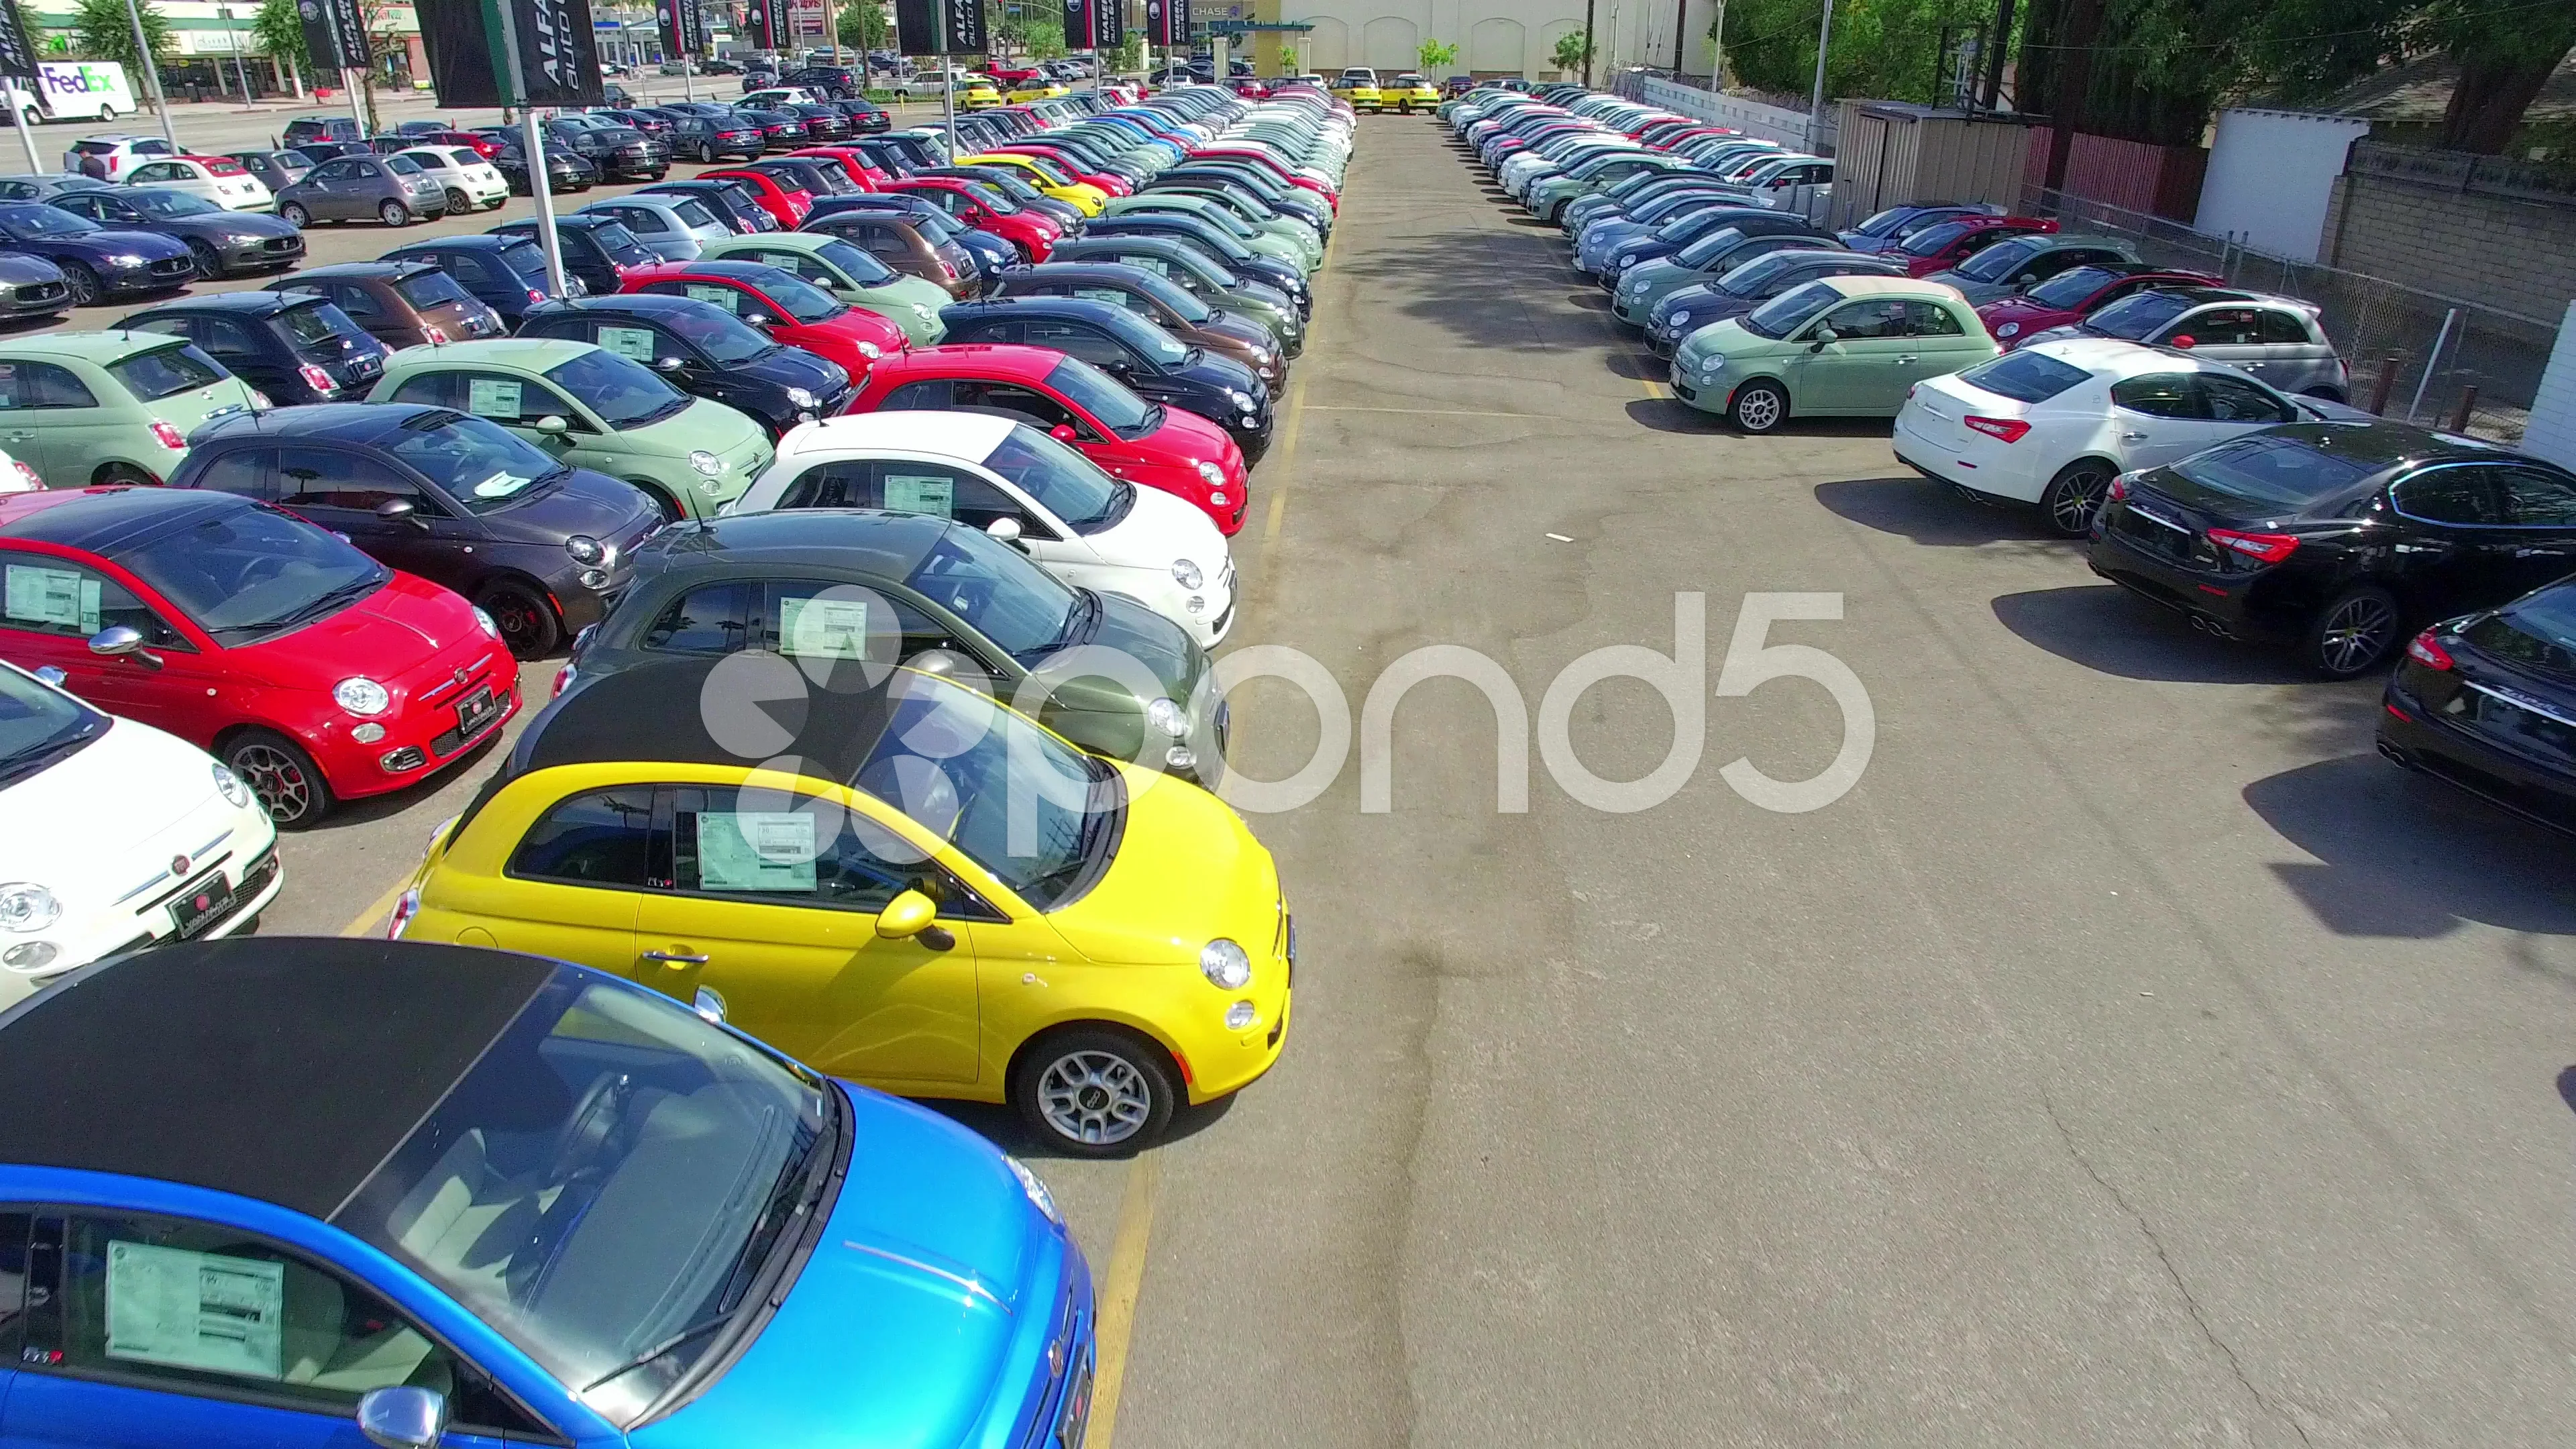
152, 75
233, 37
1816, 104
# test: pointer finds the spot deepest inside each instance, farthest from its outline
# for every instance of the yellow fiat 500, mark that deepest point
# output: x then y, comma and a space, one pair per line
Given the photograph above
1408, 93
1082, 196
899, 882
978, 93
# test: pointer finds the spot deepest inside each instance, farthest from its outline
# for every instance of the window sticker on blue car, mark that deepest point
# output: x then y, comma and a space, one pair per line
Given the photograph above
756, 850
196, 1310
634, 342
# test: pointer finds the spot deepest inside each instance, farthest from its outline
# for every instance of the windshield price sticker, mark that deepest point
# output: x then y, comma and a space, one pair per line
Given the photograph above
493, 397
62, 597
501, 485
908, 493
1110, 295
191, 1310
756, 850
634, 342
823, 628
722, 296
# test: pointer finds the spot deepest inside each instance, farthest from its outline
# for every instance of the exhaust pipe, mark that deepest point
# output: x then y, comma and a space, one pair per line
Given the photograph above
2396, 756
2210, 626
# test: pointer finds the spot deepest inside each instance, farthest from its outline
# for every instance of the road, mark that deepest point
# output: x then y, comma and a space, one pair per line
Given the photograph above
2128, 1058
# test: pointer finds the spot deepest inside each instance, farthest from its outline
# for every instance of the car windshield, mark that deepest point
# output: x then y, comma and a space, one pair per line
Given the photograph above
1997, 262
858, 266
152, 376
1158, 345
1711, 247
2024, 376
2070, 289
1929, 241
1009, 600
402, 166
1184, 303
425, 290
1754, 278
38, 725
527, 259
625, 393
1105, 398
482, 465
606, 1184
28, 222
317, 322
1884, 222
723, 337
246, 573
1067, 484
2537, 631
620, 244
153, 201
1790, 310
2135, 317
2275, 472
694, 214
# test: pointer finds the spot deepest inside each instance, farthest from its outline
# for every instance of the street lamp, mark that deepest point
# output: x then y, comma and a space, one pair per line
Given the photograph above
232, 37
152, 76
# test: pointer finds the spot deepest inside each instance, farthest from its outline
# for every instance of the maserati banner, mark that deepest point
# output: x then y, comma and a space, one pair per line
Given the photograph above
1167, 22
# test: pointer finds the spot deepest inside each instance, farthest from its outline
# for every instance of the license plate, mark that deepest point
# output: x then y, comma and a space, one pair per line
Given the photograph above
1075, 1423
476, 710
204, 900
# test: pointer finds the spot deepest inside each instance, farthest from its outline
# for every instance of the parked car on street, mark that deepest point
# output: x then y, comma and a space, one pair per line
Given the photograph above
505, 273
219, 179
115, 155
2073, 295
2487, 703
221, 243
783, 305
1151, 362
98, 263
472, 184
848, 273
276, 170
705, 351
388, 189
1685, 310
294, 347
2281, 340
2014, 266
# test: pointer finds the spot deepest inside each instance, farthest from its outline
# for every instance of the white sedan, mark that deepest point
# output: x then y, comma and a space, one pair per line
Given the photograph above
472, 183
2054, 422
219, 179
122, 837
1016, 483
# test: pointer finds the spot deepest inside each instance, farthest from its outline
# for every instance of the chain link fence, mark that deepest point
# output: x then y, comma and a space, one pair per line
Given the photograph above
2413, 354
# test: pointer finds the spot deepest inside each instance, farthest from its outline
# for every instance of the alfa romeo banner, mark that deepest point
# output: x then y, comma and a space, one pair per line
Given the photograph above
469, 63
334, 34
17, 58
964, 28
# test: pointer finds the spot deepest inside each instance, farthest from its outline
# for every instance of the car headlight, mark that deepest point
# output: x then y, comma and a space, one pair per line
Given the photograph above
1242, 400
586, 550
1166, 714
1211, 472
871, 351
26, 906
483, 620
800, 397
922, 312
362, 696
1636, 286
1039, 1197
1225, 966
126, 259
1185, 572
230, 786
708, 463
2009, 329
1680, 317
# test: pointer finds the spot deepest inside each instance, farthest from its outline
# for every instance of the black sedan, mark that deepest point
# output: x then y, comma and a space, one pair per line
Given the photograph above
780, 130
703, 350
541, 547
1159, 367
297, 347
2336, 537
620, 152
822, 123
1677, 234
565, 170
2488, 703
713, 138
222, 242
867, 118
31, 287
1234, 255
596, 248
505, 273
96, 262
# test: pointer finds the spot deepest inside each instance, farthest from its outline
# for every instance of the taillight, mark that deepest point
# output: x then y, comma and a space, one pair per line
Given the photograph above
29, 476
2425, 651
433, 335
535, 296
2119, 489
169, 436
2008, 429
2268, 548
406, 906
316, 379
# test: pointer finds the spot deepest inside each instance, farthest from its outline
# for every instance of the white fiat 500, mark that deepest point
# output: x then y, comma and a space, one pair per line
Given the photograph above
471, 183
2054, 422
1017, 484
117, 836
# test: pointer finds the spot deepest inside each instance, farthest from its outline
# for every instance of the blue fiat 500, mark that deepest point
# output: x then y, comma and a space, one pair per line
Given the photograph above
330, 1193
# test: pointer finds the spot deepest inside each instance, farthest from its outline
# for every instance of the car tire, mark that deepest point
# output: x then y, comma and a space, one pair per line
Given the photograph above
82, 283
2074, 497
34, 118
458, 202
289, 785
664, 503
1758, 408
210, 266
394, 213
1094, 1091
527, 622
294, 215
106, 113
2355, 631
706, 153
112, 475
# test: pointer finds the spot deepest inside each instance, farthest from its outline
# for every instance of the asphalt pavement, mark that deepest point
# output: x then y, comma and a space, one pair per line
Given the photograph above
2128, 1057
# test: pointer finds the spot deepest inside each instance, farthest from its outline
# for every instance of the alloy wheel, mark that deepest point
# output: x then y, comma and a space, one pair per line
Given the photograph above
277, 779
1095, 1098
210, 267
394, 213
2075, 499
2354, 633
82, 283
1758, 410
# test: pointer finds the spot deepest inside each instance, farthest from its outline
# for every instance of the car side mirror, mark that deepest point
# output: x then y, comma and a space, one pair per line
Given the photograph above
672, 364
554, 427
912, 916
400, 510
121, 641
52, 675
709, 1004
1062, 433
1005, 529
1827, 334
403, 1417
760, 319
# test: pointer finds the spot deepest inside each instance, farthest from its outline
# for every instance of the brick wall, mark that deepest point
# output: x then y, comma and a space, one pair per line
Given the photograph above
2515, 256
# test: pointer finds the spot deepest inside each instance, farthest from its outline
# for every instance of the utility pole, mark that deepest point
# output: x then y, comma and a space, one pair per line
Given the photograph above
240, 71
539, 191
1587, 44
1992, 98
1717, 52
1816, 103
2069, 79
152, 75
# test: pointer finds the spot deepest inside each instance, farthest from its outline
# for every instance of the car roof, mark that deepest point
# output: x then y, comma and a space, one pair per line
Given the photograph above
463, 243
279, 1069
1026, 304
889, 545
2120, 357
971, 436
358, 272
103, 520
262, 302
972, 359
630, 304
794, 241
352, 422
535, 354
1867, 286
99, 347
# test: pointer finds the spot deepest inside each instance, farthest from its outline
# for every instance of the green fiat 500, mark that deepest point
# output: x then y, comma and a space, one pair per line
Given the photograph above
1837, 347
109, 407
595, 410
849, 274
1290, 240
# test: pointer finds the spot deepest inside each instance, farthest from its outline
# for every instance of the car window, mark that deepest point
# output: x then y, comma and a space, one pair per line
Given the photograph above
226, 337
1076, 339
2071, 288
512, 401
2239, 400
623, 392
424, 290
69, 600
2538, 498
1020, 607
2273, 325
2218, 327
709, 619
36, 385
2159, 395
1875, 318
2455, 494
930, 395
1011, 398
244, 473
1931, 319
164, 371
602, 838
330, 478
942, 490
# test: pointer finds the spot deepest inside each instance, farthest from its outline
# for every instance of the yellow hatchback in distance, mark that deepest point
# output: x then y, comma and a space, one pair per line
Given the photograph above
1358, 86
978, 93
1035, 91
1134, 952
1408, 93
1082, 196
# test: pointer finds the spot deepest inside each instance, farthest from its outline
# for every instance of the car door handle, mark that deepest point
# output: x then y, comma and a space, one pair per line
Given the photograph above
681, 958
21, 437
1904, 358
2133, 437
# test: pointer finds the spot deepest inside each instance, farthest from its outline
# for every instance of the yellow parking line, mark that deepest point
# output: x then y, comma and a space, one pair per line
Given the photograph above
1283, 453
384, 903
1124, 1279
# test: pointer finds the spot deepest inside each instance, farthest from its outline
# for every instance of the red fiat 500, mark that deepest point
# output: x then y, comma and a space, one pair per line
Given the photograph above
315, 672
791, 309
858, 165
786, 205
1939, 248
2071, 296
1144, 443
986, 209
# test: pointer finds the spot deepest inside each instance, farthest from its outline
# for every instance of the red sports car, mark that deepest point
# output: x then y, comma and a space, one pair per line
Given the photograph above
1146, 444
2073, 295
314, 672
786, 306
1939, 248
985, 209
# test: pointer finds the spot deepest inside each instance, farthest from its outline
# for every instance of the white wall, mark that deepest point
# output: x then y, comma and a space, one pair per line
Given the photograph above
2270, 174
1491, 35
1770, 123
2551, 433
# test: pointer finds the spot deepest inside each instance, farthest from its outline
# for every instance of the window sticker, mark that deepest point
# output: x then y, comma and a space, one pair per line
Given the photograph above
501, 485
9, 380
906, 493
721, 296
1110, 295
196, 1310
756, 850
493, 397
634, 342
823, 628
33, 595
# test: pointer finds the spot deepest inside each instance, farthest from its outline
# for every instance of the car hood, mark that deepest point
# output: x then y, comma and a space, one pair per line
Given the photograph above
20, 269
583, 502
1133, 916
1187, 437
1978, 293
1159, 528
120, 789
391, 633
1216, 370
1707, 303
796, 367
1724, 339
232, 223
150, 245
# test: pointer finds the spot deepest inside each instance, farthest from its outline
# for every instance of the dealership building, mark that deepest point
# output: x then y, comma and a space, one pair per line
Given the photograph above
1495, 38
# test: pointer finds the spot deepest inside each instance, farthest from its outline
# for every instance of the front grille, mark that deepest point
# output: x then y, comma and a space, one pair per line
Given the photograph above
174, 267
283, 245
42, 292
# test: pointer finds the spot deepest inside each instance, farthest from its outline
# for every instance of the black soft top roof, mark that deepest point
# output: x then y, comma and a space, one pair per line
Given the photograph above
660, 713
277, 1068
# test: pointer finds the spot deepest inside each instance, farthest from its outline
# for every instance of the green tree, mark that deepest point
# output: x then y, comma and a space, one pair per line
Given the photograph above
1288, 60
279, 34
862, 27
2505, 52
1433, 54
1572, 54
1128, 55
101, 30
1882, 49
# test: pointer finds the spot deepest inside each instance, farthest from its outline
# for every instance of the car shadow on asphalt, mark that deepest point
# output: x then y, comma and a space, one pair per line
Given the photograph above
1532, 222
1672, 415
2106, 629
1927, 513
1588, 301
1638, 368
2400, 855
1002, 1126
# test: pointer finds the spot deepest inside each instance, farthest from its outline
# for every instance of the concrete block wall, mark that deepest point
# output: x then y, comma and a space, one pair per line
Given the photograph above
2514, 256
